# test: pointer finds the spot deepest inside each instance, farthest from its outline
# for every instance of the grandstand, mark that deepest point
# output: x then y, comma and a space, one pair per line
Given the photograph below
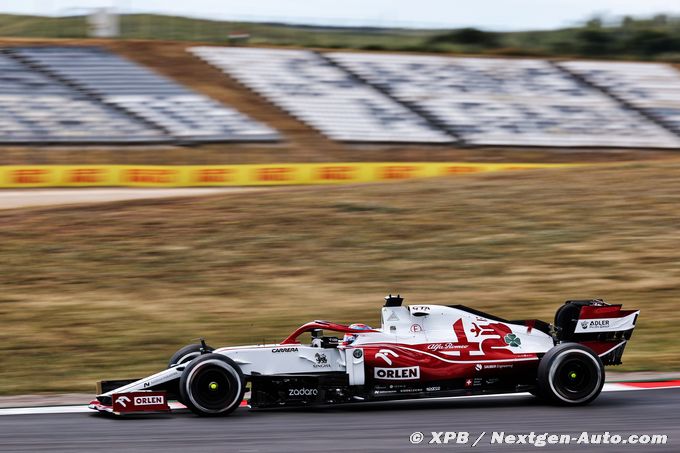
319, 94
653, 88
124, 93
37, 108
131, 94
493, 101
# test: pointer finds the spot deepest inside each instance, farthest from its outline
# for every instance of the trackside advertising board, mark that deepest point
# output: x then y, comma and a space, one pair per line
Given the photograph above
16, 176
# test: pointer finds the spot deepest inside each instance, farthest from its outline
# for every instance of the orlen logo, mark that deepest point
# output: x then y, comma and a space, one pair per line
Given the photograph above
412, 372
148, 400
123, 400
595, 324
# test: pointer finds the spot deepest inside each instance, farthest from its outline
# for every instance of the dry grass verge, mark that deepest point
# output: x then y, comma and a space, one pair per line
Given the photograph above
112, 290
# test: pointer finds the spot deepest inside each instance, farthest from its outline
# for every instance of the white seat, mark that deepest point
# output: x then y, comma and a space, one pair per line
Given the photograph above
322, 95
530, 101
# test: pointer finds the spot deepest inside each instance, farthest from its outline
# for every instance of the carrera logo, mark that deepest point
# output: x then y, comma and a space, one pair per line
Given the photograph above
412, 372
285, 350
148, 400
595, 324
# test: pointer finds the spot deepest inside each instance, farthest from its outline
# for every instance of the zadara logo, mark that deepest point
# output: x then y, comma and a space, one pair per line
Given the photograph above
303, 392
412, 372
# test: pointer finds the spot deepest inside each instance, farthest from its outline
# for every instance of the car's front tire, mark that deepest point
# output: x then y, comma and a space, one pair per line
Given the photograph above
212, 385
186, 354
570, 374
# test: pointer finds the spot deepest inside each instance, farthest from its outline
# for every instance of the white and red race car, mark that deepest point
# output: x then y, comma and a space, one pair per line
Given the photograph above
420, 351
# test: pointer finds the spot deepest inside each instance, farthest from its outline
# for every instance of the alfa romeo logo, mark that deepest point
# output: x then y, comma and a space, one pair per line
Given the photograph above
512, 340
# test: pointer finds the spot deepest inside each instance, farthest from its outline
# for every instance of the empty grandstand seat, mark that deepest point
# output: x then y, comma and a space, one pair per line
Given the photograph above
322, 95
493, 101
178, 111
35, 108
651, 87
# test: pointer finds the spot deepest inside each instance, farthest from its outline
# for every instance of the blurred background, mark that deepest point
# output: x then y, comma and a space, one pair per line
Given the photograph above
111, 287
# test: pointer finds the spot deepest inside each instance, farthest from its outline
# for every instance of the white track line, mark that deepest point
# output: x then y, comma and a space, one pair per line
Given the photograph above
12, 199
45, 410
608, 387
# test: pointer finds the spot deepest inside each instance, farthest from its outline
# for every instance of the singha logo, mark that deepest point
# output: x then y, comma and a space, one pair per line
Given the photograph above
320, 358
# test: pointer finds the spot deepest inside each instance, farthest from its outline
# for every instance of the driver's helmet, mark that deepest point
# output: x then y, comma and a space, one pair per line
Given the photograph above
350, 337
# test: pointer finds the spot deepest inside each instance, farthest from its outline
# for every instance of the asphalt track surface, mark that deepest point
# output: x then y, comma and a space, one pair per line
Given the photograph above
380, 427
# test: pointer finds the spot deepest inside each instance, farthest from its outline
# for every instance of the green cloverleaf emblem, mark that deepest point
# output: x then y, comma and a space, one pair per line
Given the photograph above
512, 340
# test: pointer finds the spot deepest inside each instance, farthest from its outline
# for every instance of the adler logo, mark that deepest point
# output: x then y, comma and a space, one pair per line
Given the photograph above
148, 400
412, 372
595, 324
285, 350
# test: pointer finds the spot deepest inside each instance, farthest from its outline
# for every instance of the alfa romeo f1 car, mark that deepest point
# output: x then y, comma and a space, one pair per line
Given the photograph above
420, 351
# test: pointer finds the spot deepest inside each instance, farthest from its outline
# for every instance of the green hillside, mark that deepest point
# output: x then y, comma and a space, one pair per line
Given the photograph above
652, 38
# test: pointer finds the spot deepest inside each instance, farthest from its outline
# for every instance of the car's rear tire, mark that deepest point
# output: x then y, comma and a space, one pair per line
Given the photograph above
212, 385
186, 354
570, 374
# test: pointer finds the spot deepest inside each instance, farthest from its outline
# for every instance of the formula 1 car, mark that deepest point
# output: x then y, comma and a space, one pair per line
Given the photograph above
420, 351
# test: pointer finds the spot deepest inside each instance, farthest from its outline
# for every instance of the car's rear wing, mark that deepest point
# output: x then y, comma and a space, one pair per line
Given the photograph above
603, 327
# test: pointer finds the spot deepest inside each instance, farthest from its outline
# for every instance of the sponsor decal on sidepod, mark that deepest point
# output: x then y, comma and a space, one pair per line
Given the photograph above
412, 372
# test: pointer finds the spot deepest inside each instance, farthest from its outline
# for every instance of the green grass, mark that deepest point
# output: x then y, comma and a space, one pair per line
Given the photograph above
112, 290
